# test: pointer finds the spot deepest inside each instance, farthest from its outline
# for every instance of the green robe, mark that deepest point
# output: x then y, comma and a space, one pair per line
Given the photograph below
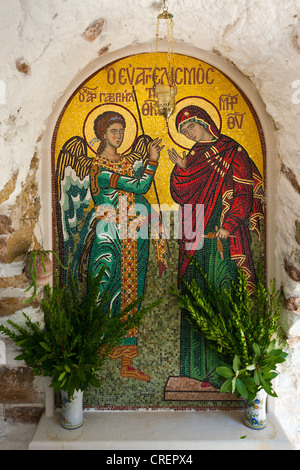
110, 182
198, 361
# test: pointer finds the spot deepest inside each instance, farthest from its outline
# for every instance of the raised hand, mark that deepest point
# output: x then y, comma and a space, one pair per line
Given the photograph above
155, 149
177, 160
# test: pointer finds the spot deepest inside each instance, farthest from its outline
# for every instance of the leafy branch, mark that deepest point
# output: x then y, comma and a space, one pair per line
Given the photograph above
240, 327
31, 259
77, 337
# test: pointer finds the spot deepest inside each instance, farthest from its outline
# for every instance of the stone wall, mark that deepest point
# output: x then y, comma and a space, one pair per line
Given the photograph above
45, 44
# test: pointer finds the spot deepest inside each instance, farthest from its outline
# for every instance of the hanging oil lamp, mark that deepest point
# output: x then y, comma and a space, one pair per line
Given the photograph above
165, 94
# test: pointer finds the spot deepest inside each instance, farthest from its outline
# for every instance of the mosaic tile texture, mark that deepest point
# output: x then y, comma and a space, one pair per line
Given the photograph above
161, 364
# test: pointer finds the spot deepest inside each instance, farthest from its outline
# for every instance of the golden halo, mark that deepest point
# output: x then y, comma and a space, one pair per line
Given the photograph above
130, 132
208, 106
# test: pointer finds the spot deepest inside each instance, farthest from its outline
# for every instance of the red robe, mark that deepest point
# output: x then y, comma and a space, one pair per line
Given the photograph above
221, 167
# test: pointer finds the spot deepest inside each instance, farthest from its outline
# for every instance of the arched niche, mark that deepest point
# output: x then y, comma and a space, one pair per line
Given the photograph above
205, 80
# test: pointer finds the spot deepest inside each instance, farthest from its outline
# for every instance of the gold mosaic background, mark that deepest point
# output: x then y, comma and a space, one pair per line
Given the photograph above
111, 88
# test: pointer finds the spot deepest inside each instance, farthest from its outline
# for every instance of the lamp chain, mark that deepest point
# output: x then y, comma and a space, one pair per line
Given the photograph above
170, 41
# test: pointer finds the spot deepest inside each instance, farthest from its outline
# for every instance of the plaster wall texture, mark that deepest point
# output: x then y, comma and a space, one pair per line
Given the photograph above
45, 44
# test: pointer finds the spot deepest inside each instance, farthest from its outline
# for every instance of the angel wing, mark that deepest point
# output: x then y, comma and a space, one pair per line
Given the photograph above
73, 196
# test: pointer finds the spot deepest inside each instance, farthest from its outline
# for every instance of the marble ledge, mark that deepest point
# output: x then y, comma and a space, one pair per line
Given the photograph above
160, 430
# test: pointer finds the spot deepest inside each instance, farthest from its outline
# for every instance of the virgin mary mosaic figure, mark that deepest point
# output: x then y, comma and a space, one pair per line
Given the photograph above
218, 173
103, 217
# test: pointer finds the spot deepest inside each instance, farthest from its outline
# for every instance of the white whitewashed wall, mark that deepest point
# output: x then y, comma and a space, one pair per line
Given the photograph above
46, 43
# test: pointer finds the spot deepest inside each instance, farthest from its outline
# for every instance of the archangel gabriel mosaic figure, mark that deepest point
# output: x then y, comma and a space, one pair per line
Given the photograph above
108, 177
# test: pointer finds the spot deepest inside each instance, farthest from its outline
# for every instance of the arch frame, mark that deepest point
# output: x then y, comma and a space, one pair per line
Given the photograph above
241, 81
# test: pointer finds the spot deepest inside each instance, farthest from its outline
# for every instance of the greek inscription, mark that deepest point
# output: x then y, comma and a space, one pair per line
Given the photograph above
111, 76
160, 75
149, 109
151, 94
102, 97
235, 119
227, 102
87, 94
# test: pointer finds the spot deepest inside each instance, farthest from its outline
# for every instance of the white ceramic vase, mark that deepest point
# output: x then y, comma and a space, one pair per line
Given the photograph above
71, 411
255, 411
